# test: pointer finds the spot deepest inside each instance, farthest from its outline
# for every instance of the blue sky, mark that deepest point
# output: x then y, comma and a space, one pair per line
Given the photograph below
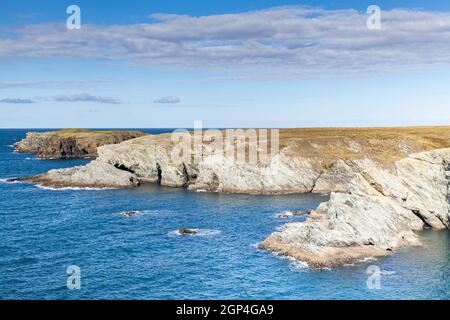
228, 63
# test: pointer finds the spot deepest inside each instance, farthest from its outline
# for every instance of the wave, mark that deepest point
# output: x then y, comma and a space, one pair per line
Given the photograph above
387, 273
284, 215
140, 213
73, 188
199, 233
368, 259
7, 180
294, 264
289, 214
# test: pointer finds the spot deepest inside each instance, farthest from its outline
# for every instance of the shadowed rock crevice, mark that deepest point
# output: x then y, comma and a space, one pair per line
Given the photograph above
417, 213
124, 168
159, 173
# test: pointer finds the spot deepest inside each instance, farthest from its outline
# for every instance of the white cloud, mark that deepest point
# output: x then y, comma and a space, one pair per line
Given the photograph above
85, 97
49, 84
16, 101
286, 41
82, 97
167, 99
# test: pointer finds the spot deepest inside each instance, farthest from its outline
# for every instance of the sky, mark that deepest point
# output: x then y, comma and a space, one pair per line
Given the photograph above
166, 64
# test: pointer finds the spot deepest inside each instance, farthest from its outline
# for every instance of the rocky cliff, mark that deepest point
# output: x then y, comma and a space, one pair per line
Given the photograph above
309, 160
385, 184
71, 143
379, 213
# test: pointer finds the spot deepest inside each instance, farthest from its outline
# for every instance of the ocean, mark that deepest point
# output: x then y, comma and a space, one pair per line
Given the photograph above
43, 232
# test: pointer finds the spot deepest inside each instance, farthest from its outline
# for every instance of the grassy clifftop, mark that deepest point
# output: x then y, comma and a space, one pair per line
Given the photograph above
385, 145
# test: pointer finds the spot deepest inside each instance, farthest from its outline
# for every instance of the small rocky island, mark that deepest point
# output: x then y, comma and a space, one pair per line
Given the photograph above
71, 143
385, 185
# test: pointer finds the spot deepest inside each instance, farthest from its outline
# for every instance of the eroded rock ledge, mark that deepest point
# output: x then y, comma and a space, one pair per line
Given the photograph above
71, 143
379, 213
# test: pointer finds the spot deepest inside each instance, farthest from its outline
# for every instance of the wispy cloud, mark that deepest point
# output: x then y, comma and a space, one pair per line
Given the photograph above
49, 84
282, 41
167, 99
85, 97
82, 97
16, 101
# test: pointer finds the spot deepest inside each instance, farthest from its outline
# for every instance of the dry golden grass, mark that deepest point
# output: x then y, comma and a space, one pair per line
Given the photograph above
384, 145
82, 132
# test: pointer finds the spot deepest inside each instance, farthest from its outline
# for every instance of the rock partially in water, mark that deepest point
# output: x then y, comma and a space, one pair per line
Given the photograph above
298, 167
301, 213
130, 213
93, 175
289, 214
187, 232
379, 213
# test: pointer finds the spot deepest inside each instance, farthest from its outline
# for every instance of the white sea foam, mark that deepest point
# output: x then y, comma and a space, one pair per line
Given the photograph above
201, 190
368, 259
254, 245
284, 215
298, 266
140, 213
73, 188
199, 233
387, 273
6, 180
294, 264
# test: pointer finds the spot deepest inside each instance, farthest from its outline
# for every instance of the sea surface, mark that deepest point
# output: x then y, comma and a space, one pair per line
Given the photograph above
43, 232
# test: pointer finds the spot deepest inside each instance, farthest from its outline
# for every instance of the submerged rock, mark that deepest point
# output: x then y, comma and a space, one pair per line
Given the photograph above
187, 232
130, 213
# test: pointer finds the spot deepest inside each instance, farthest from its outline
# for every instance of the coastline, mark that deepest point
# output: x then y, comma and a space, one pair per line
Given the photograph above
377, 204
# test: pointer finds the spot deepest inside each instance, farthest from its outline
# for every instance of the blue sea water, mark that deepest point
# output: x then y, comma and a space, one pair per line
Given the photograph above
42, 232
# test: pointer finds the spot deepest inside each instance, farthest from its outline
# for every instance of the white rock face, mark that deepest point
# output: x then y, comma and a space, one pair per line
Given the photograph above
94, 174
379, 212
149, 159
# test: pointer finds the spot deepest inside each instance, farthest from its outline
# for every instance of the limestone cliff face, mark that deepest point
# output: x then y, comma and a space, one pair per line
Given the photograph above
148, 159
309, 160
71, 143
377, 214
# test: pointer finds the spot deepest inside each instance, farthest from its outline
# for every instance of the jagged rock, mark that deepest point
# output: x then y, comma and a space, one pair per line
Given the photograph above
379, 213
299, 167
93, 175
386, 199
301, 213
71, 143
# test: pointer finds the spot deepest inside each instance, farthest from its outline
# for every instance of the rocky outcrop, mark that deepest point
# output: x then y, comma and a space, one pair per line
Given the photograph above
385, 184
320, 161
71, 143
149, 159
92, 175
379, 213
